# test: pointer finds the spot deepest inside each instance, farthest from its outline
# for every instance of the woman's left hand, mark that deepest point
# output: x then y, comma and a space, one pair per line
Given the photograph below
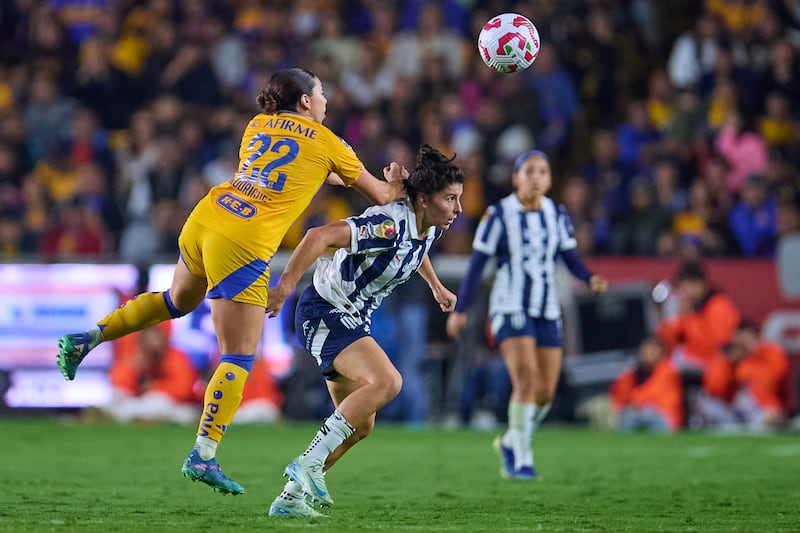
598, 283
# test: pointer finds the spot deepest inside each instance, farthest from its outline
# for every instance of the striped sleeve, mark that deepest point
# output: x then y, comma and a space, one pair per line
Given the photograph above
566, 233
489, 232
372, 230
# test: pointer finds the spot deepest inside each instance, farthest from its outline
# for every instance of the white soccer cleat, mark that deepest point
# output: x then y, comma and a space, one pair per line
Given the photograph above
311, 478
297, 508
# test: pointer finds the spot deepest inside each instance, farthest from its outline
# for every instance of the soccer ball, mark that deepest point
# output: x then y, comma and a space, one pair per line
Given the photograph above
509, 43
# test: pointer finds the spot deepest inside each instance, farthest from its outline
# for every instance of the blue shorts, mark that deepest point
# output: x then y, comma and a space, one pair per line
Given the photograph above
546, 332
325, 331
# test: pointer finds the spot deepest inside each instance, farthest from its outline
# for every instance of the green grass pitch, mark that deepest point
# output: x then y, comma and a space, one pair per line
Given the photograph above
60, 476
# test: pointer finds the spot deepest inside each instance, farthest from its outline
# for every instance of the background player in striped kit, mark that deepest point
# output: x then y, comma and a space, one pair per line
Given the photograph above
526, 233
376, 251
226, 244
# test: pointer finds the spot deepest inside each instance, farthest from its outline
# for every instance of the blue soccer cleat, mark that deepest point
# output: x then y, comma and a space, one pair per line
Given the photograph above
311, 478
72, 349
525, 472
506, 454
298, 508
209, 473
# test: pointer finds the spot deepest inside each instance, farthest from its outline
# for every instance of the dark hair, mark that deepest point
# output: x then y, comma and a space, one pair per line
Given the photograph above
691, 270
434, 172
284, 90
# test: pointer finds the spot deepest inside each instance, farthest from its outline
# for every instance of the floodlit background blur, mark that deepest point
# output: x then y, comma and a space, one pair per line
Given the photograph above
673, 128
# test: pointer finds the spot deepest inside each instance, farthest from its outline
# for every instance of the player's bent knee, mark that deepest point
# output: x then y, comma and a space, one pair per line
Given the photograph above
393, 385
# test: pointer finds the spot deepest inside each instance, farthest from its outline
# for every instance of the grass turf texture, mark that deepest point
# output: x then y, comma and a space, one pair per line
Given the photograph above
65, 477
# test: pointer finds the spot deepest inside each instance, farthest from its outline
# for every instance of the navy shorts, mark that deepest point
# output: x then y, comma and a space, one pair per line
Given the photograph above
546, 332
325, 331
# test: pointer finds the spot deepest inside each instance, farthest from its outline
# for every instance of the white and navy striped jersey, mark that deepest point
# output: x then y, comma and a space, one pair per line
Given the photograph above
384, 252
526, 245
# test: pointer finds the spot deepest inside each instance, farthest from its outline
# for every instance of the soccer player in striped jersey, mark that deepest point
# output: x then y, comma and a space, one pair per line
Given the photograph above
376, 252
228, 241
526, 233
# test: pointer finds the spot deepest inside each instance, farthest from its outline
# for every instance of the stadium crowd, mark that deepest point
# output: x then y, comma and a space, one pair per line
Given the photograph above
672, 125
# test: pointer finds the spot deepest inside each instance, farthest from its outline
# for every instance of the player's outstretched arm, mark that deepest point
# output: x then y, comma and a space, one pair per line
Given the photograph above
313, 245
382, 192
445, 298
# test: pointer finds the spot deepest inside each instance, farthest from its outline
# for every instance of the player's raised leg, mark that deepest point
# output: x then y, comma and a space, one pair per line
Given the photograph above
138, 313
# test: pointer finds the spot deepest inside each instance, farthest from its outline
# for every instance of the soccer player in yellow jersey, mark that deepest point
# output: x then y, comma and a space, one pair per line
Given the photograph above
226, 244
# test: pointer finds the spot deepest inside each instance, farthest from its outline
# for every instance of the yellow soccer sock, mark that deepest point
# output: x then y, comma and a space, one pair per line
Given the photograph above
138, 313
223, 395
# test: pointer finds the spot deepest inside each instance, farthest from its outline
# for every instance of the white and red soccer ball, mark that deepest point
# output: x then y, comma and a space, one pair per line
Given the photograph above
509, 43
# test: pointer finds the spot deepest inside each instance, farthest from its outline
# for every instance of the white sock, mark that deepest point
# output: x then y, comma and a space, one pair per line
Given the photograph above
333, 432
292, 492
539, 412
520, 432
206, 447
96, 335
524, 457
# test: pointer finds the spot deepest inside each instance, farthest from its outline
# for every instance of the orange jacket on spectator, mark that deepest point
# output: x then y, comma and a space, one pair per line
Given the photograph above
704, 332
762, 373
661, 391
174, 377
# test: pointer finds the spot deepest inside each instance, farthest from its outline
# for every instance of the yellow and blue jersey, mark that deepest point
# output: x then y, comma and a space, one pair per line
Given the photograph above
284, 160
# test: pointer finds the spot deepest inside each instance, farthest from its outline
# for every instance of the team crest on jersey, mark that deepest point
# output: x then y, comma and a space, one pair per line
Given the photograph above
386, 230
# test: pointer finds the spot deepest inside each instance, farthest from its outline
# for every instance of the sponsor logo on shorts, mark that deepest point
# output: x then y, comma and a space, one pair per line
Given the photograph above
236, 205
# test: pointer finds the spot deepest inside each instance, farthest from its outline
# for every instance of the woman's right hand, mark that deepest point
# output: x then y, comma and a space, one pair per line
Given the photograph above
277, 295
455, 324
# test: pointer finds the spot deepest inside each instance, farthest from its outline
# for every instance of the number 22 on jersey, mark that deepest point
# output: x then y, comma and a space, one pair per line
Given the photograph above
262, 168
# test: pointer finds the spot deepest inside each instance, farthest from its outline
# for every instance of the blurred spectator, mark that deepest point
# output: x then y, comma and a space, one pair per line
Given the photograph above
668, 193
788, 219
660, 100
705, 322
753, 220
410, 49
744, 149
76, 231
597, 61
637, 138
743, 385
777, 125
152, 380
48, 114
727, 70
637, 231
11, 236
649, 396
694, 52
82, 18
89, 143
609, 177
697, 227
56, 170
102, 87
227, 54
739, 16
783, 74
93, 189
